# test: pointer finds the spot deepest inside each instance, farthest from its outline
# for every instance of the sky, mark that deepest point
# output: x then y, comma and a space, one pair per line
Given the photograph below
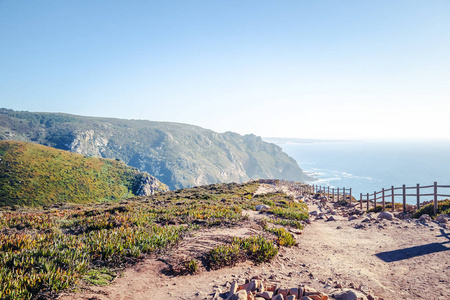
347, 69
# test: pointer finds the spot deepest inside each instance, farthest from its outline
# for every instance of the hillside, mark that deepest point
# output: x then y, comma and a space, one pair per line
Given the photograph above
36, 175
179, 155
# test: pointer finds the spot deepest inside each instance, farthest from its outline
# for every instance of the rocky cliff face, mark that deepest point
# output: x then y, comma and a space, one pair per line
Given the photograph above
146, 185
179, 155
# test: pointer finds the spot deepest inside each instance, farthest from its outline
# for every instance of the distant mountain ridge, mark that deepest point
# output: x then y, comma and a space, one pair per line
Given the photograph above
36, 175
179, 155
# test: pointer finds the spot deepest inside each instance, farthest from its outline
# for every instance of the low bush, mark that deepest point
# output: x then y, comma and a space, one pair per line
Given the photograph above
443, 208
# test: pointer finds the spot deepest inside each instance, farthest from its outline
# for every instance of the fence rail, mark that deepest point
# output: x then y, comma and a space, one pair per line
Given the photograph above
385, 195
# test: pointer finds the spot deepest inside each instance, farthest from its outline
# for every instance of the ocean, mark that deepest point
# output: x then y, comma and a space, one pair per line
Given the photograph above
368, 166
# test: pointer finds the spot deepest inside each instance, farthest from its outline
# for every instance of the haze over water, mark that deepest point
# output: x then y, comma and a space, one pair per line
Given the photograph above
369, 166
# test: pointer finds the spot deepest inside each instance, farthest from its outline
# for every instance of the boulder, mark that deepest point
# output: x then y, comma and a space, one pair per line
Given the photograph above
349, 294
266, 295
291, 297
262, 207
441, 218
277, 297
240, 295
425, 218
385, 215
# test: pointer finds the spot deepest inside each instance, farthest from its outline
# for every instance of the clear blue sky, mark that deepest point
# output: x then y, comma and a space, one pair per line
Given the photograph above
324, 69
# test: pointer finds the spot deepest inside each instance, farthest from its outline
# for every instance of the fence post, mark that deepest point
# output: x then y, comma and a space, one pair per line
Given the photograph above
393, 196
360, 201
418, 196
337, 194
350, 195
328, 194
375, 200
382, 195
368, 201
334, 200
404, 198
435, 198
343, 195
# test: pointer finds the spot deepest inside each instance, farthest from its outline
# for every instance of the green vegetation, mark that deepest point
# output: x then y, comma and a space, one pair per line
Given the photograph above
176, 154
443, 208
284, 238
36, 175
388, 206
47, 251
257, 248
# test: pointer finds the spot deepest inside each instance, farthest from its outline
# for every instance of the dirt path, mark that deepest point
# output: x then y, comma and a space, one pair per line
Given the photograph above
396, 259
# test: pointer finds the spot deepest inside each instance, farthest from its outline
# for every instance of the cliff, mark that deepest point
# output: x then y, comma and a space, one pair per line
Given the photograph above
180, 155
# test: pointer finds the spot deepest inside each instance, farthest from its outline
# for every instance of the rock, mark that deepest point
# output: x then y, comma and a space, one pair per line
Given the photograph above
309, 291
385, 215
424, 218
366, 220
283, 291
233, 288
262, 207
313, 213
339, 227
240, 295
294, 292
352, 217
305, 298
291, 297
441, 219
277, 297
295, 231
146, 184
349, 294
266, 295
308, 221
331, 219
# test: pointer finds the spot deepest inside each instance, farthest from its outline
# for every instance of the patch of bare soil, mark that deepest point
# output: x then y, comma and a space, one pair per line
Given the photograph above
397, 259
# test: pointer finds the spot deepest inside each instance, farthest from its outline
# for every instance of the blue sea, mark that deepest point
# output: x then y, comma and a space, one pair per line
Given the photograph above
368, 166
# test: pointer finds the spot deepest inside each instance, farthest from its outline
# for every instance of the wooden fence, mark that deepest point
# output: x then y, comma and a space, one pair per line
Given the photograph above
384, 196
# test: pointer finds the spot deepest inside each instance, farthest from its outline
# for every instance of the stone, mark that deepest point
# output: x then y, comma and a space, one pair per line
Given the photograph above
291, 297
277, 297
305, 298
313, 213
240, 295
441, 219
309, 291
295, 231
366, 220
266, 295
262, 207
331, 218
283, 291
352, 217
294, 292
349, 294
385, 215
233, 288
425, 218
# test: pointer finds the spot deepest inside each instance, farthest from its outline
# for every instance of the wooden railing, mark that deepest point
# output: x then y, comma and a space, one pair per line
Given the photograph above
385, 195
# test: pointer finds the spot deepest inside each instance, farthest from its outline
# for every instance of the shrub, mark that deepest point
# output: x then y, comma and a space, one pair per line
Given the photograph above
443, 208
284, 238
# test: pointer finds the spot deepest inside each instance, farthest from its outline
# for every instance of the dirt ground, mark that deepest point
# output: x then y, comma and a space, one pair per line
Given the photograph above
398, 259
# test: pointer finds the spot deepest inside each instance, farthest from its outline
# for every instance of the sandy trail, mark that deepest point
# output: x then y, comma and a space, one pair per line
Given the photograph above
398, 260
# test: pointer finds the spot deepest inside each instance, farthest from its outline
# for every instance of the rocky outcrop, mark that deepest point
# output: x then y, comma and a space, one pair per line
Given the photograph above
146, 185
